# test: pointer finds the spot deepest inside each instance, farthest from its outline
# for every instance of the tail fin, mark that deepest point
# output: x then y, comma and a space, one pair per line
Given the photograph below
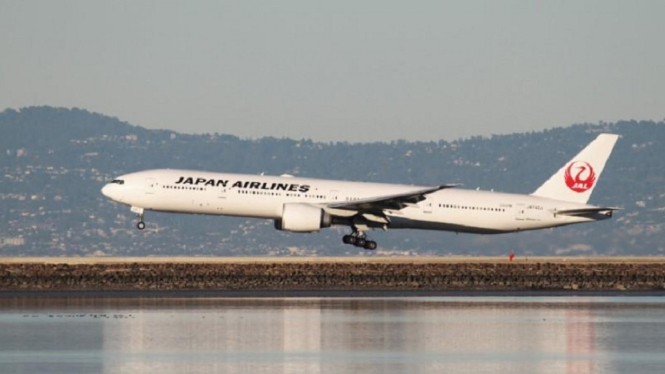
576, 180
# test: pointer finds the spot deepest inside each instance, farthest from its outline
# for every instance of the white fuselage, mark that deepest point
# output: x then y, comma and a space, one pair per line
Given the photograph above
458, 210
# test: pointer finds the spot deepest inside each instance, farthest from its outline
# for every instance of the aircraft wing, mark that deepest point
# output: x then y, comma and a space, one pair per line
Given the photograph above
395, 202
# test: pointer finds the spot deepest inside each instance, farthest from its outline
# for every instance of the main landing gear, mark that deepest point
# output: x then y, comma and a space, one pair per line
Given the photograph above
139, 212
359, 240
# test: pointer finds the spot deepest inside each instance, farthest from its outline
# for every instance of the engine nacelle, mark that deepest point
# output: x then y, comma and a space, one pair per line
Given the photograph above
302, 218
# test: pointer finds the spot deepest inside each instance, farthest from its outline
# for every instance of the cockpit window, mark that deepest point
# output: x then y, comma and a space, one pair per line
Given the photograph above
118, 181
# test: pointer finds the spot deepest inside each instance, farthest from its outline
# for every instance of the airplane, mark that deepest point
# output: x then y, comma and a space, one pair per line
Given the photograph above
305, 205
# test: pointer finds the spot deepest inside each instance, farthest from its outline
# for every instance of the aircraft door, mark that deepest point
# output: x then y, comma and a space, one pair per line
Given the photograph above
333, 195
520, 212
150, 186
221, 192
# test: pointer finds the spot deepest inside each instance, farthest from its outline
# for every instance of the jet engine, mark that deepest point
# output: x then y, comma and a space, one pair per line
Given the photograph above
302, 218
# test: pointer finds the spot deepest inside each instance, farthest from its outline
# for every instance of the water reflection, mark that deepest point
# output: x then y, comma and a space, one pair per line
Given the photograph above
314, 335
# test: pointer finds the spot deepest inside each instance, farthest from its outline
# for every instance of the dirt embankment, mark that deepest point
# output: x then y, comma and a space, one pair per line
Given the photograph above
333, 275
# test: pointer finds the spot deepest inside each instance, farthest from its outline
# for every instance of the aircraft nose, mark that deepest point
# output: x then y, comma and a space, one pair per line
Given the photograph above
106, 190
111, 191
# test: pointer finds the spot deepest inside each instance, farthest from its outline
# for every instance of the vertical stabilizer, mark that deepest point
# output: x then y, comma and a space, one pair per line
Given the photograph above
576, 180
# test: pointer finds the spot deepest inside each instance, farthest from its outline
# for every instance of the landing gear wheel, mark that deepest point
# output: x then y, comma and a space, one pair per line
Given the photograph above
358, 239
139, 213
370, 245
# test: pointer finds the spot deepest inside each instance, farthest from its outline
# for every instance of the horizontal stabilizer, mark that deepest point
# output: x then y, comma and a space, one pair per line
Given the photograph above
587, 211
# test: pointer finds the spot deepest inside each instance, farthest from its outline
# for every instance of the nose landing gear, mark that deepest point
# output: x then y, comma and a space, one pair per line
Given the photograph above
139, 212
358, 239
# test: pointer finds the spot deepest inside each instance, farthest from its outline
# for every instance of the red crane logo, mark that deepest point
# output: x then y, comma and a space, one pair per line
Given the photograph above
584, 177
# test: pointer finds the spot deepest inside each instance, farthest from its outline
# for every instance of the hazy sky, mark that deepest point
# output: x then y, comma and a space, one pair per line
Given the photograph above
338, 70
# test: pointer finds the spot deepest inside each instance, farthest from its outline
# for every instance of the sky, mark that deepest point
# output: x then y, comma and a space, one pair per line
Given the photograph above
358, 71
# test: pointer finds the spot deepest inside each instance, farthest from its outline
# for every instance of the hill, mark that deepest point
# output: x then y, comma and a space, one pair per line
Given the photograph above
54, 162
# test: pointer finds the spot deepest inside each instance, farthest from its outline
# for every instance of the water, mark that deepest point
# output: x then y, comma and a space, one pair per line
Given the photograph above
338, 335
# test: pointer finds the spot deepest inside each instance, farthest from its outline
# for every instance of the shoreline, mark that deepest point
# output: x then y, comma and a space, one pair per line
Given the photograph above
333, 274
314, 294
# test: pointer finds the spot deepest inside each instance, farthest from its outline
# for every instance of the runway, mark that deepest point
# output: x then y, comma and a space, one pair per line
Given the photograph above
300, 260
